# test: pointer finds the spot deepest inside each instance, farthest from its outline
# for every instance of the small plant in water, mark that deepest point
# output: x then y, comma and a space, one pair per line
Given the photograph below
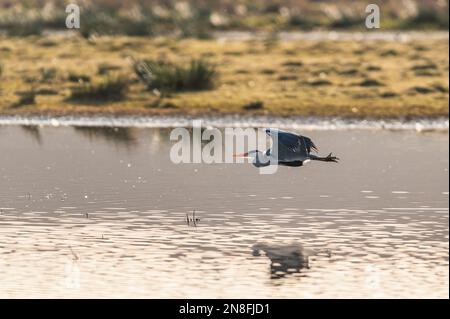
76, 77
192, 220
48, 74
257, 105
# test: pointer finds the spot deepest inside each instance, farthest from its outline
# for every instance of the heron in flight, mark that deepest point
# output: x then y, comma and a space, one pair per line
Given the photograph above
288, 149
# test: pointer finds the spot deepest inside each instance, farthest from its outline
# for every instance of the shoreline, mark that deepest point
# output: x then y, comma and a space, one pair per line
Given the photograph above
289, 35
235, 121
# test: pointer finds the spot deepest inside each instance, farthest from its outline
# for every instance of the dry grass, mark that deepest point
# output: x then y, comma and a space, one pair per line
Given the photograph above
110, 88
347, 79
166, 77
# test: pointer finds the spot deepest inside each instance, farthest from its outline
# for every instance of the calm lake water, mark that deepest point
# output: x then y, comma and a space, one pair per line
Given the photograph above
92, 212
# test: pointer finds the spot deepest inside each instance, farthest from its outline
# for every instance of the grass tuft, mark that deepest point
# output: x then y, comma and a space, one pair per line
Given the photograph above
427, 17
26, 98
110, 88
48, 74
253, 106
370, 82
168, 77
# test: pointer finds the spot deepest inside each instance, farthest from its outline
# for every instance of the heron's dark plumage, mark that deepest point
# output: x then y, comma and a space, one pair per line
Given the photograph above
289, 149
309, 144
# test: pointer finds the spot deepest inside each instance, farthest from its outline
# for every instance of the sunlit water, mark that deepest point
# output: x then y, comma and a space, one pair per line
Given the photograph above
88, 212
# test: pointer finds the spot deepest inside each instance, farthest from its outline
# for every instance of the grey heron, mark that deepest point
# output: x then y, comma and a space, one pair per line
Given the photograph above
288, 149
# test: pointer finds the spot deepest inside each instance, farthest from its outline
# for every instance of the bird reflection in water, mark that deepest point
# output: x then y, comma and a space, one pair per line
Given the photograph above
285, 259
34, 132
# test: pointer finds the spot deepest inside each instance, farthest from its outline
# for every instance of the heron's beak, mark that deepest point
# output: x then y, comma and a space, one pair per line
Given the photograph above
245, 155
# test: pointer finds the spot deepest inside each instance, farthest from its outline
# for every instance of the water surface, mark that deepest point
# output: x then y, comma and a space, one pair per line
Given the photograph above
101, 212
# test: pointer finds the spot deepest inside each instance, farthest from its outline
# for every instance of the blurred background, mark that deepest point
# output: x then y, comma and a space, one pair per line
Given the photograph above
197, 18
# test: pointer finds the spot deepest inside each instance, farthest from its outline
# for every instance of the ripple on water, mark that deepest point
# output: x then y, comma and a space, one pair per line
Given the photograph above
152, 242
136, 242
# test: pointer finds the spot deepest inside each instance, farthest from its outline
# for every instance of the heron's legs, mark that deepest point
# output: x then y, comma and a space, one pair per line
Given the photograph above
328, 158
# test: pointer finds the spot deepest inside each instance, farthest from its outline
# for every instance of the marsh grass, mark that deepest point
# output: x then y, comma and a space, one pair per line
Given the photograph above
23, 29
25, 98
426, 66
303, 22
349, 72
347, 21
319, 82
388, 94
161, 104
427, 73
78, 77
292, 63
164, 76
370, 82
192, 221
253, 75
287, 77
48, 74
427, 17
105, 68
422, 90
439, 88
373, 68
110, 88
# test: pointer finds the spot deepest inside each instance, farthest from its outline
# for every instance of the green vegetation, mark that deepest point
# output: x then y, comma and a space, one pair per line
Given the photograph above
110, 88
257, 105
370, 82
79, 78
426, 18
25, 98
48, 74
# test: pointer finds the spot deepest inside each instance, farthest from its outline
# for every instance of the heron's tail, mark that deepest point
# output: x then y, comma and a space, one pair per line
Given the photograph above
310, 145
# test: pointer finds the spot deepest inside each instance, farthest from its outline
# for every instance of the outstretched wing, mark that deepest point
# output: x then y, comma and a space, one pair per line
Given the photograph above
309, 144
293, 147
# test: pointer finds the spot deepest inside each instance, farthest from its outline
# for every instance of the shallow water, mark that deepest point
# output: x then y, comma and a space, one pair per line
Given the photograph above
91, 212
